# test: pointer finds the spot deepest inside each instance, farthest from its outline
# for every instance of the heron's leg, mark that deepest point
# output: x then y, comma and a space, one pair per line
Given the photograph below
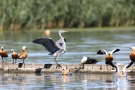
58, 65
56, 59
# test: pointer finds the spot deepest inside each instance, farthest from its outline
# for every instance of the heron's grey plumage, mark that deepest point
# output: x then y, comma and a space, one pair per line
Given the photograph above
60, 44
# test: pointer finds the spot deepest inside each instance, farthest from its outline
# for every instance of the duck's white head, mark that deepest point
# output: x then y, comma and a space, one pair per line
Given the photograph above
24, 47
133, 47
84, 59
2, 48
12, 50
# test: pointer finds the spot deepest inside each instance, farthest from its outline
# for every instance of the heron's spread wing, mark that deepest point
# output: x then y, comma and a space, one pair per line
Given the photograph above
48, 43
61, 44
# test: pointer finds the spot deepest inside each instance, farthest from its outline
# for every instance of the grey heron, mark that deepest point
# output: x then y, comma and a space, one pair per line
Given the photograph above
55, 49
109, 56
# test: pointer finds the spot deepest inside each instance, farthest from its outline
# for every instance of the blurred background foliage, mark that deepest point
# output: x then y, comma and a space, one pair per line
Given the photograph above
41, 14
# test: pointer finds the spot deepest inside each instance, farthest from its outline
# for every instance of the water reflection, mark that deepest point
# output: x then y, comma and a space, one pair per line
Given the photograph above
81, 81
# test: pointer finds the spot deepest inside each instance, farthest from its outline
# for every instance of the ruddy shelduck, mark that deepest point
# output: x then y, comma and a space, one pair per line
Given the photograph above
46, 32
120, 72
88, 60
132, 56
14, 55
3, 54
65, 71
109, 56
24, 53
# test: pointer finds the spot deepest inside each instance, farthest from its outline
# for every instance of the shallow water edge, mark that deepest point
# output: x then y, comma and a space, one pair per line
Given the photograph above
41, 68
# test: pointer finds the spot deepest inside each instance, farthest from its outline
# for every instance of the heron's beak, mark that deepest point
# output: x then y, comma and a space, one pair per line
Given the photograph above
65, 31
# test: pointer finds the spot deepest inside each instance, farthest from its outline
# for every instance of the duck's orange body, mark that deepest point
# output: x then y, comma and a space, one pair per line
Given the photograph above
132, 55
3, 54
24, 54
109, 58
46, 32
65, 72
14, 55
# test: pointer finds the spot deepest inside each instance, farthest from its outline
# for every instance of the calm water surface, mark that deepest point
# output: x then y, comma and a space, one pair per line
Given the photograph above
75, 81
79, 44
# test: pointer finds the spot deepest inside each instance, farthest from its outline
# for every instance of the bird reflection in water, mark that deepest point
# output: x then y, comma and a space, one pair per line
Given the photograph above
65, 78
120, 83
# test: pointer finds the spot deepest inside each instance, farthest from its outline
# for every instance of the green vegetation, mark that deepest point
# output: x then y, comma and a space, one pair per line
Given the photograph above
41, 14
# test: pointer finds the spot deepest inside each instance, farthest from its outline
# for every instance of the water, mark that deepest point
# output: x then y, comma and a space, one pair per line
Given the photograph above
55, 81
79, 44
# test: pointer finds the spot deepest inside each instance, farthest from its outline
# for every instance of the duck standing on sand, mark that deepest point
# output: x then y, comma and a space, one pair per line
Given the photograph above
3, 54
132, 56
14, 55
109, 56
24, 54
88, 60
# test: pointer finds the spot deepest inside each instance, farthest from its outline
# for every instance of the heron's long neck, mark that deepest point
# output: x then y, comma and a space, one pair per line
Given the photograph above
61, 37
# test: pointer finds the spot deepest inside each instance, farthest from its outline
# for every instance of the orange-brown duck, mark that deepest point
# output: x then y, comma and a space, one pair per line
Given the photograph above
24, 53
14, 55
132, 56
47, 33
120, 72
3, 54
109, 56
65, 71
